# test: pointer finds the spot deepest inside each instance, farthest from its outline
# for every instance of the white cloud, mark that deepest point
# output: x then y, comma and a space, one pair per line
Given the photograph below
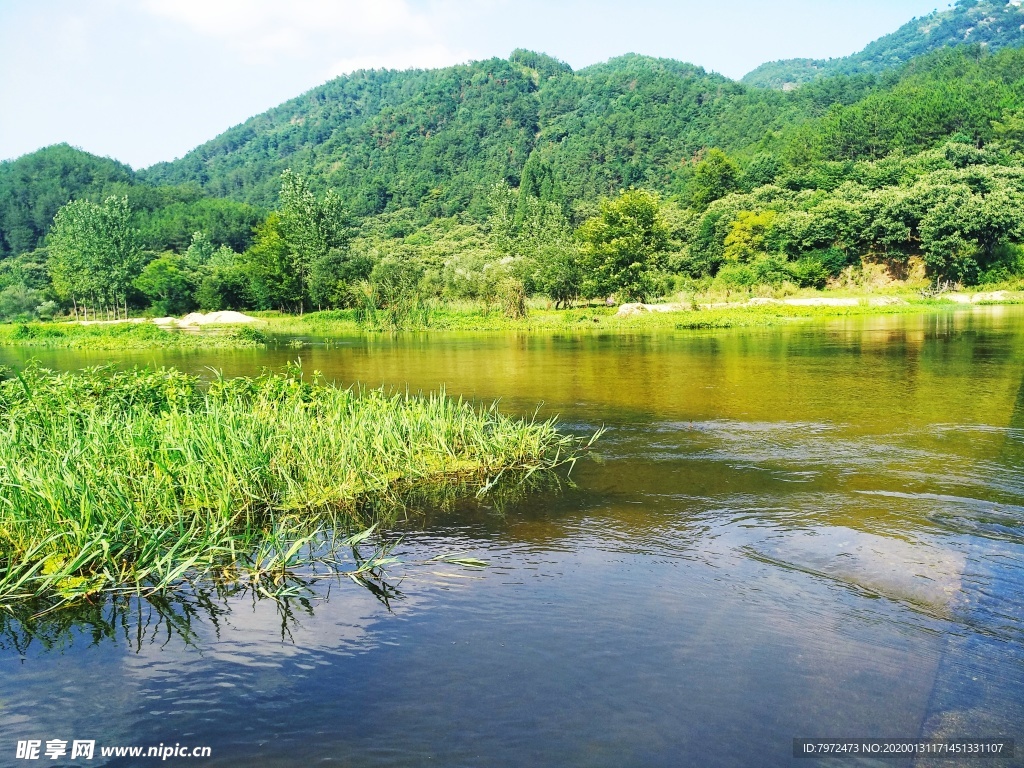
340, 36
292, 27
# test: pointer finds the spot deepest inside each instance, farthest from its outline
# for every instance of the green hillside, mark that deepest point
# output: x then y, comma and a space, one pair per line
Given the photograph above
390, 140
992, 23
35, 186
438, 140
380, 137
963, 92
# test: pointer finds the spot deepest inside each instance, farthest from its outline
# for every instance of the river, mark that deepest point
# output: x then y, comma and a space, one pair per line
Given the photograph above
799, 532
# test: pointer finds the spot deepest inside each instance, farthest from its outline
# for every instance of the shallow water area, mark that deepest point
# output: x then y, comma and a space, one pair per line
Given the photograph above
808, 531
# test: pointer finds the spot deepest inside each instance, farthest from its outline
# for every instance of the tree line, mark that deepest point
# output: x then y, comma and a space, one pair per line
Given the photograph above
956, 210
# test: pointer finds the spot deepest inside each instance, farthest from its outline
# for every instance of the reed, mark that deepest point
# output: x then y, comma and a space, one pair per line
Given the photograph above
142, 480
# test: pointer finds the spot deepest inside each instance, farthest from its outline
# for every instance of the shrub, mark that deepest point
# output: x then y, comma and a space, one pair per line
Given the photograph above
391, 299
511, 296
771, 270
19, 302
809, 272
735, 276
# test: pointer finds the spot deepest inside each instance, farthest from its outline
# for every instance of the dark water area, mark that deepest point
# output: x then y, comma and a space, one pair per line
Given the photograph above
801, 532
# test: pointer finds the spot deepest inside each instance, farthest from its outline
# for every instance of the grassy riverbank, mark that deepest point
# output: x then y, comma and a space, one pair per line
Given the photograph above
708, 312
115, 336
140, 480
694, 313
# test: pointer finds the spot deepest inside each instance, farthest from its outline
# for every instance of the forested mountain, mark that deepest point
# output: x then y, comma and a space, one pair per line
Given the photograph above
388, 140
380, 137
962, 92
35, 186
438, 140
992, 23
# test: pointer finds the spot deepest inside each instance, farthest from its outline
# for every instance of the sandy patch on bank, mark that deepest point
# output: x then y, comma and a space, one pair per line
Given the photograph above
976, 298
224, 317
628, 310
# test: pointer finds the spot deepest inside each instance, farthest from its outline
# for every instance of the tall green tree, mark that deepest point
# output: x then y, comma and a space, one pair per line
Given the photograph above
200, 250
333, 276
94, 254
714, 177
1010, 130
273, 283
310, 227
165, 281
622, 246
538, 182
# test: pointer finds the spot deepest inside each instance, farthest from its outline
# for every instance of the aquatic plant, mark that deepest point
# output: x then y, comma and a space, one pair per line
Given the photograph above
142, 480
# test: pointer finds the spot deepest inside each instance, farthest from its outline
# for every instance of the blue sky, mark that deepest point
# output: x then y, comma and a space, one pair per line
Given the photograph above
148, 80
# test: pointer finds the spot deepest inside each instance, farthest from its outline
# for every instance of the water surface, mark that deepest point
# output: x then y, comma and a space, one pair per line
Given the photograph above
807, 531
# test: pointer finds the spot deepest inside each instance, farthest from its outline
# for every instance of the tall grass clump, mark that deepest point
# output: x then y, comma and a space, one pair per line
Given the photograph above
384, 308
141, 480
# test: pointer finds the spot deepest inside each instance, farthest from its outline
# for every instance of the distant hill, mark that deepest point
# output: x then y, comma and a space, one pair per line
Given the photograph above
387, 140
381, 137
437, 140
963, 93
992, 23
35, 186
